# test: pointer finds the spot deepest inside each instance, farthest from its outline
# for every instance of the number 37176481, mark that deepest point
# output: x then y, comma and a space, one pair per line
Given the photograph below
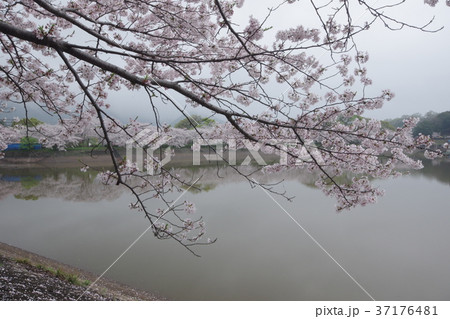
406, 310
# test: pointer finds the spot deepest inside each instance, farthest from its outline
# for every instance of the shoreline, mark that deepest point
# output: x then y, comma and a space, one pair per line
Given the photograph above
183, 157
66, 161
33, 265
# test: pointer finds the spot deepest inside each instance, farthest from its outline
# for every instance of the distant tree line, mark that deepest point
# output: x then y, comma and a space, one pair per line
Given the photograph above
429, 123
195, 121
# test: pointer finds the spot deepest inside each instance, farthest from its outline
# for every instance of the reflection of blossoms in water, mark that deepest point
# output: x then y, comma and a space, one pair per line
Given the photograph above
90, 187
184, 224
63, 185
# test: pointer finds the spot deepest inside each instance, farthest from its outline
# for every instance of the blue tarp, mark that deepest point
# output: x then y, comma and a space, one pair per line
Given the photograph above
17, 146
13, 178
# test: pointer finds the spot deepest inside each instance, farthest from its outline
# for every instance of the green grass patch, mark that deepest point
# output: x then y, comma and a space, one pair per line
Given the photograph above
23, 261
72, 278
41, 267
51, 270
26, 197
61, 274
45, 268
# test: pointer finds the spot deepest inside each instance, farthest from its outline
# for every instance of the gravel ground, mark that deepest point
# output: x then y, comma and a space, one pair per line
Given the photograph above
27, 276
22, 281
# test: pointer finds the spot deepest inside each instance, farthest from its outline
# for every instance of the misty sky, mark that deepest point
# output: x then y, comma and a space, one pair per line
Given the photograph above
413, 64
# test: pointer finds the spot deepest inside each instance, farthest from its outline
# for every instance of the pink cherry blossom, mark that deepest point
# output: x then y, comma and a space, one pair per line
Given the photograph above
66, 57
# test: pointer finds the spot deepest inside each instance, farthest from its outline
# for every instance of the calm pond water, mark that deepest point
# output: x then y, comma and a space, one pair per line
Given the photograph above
396, 249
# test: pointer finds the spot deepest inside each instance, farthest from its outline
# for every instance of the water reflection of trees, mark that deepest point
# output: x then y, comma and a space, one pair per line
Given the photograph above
69, 184
73, 185
435, 169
